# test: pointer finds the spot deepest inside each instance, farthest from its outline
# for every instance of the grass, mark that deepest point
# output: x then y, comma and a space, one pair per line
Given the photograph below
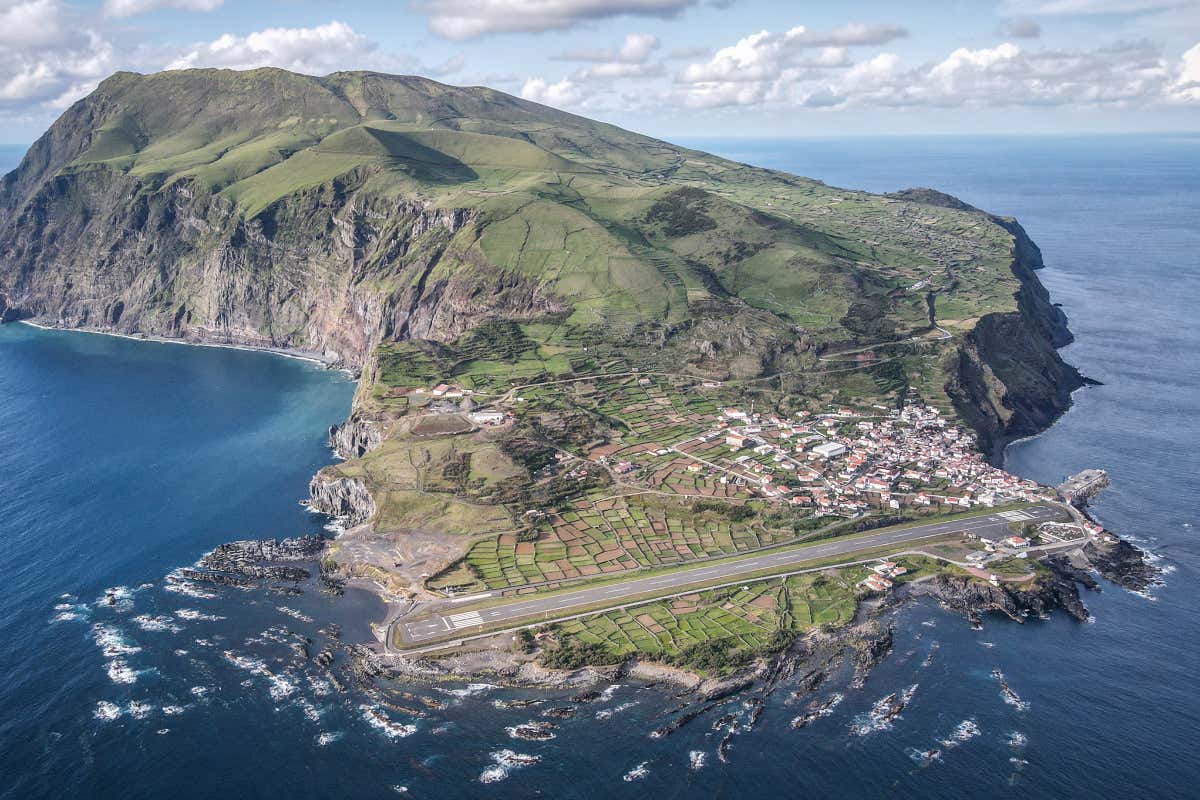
622, 229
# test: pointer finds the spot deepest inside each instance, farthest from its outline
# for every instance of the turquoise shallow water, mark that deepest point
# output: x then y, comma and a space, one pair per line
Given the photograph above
122, 460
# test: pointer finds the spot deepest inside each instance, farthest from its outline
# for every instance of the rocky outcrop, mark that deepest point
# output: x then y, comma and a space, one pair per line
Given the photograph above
339, 496
973, 597
1124, 565
355, 437
1009, 380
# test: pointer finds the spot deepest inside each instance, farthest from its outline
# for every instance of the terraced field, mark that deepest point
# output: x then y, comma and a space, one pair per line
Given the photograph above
599, 537
744, 618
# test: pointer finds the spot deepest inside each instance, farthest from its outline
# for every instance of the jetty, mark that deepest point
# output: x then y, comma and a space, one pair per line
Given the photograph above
1079, 488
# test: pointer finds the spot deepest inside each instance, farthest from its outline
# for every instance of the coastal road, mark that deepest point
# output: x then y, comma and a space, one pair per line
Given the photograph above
450, 620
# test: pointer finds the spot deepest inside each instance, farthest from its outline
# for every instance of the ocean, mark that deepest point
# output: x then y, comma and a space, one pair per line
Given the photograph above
121, 461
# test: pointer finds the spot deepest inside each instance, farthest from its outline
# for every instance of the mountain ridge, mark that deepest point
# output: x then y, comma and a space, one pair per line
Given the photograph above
337, 214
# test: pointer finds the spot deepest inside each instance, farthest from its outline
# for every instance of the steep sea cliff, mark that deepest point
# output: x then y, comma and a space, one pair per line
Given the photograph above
217, 445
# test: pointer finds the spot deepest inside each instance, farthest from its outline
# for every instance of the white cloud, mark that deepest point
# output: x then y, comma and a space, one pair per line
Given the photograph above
765, 56
129, 8
32, 23
1186, 88
1088, 7
630, 60
768, 70
563, 94
316, 50
467, 19
47, 60
636, 48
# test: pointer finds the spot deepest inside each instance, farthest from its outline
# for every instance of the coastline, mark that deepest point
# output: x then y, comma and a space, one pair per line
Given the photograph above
299, 355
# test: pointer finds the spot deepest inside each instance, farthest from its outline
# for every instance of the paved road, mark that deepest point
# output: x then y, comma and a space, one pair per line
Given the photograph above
462, 620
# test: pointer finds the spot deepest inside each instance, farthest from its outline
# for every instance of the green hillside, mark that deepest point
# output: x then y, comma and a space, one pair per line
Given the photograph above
342, 213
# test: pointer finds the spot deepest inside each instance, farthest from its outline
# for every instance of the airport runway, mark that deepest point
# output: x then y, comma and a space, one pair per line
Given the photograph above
461, 620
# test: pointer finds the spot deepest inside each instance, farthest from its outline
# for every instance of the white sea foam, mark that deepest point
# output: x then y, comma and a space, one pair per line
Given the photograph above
924, 757
106, 711
118, 598
505, 762
470, 690
696, 759
252, 665
192, 615
173, 711
320, 687
157, 624
140, 710
608, 693
69, 616
963, 732
883, 714
1016, 739
112, 642
637, 773
377, 719
200, 691
281, 687
327, 738
606, 713
189, 589
311, 711
120, 672
294, 614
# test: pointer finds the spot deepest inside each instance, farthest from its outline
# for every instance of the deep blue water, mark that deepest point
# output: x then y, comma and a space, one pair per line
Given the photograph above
122, 460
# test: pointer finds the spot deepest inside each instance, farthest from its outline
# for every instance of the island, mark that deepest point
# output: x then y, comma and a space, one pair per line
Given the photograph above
622, 405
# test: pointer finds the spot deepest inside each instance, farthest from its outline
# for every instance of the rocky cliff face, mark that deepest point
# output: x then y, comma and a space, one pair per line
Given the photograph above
972, 597
355, 437
347, 498
330, 271
1009, 380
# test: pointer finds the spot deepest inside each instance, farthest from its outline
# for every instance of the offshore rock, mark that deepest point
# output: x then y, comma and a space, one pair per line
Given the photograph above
1124, 565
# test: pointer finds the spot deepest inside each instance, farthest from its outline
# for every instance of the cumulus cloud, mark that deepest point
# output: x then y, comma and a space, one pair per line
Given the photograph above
630, 60
764, 69
31, 23
1186, 88
130, 8
636, 48
47, 60
467, 19
1087, 7
320, 49
563, 94
765, 56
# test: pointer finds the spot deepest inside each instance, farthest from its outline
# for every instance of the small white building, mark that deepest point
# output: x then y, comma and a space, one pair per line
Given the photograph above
488, 417
830, 449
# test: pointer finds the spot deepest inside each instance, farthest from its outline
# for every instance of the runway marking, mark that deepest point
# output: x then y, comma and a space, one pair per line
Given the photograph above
465, 619
1014, 516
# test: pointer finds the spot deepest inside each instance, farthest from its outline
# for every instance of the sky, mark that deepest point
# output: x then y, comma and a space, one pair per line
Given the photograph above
669, 68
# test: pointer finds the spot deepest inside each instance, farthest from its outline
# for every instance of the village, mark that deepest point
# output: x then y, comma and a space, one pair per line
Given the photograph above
844, 462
